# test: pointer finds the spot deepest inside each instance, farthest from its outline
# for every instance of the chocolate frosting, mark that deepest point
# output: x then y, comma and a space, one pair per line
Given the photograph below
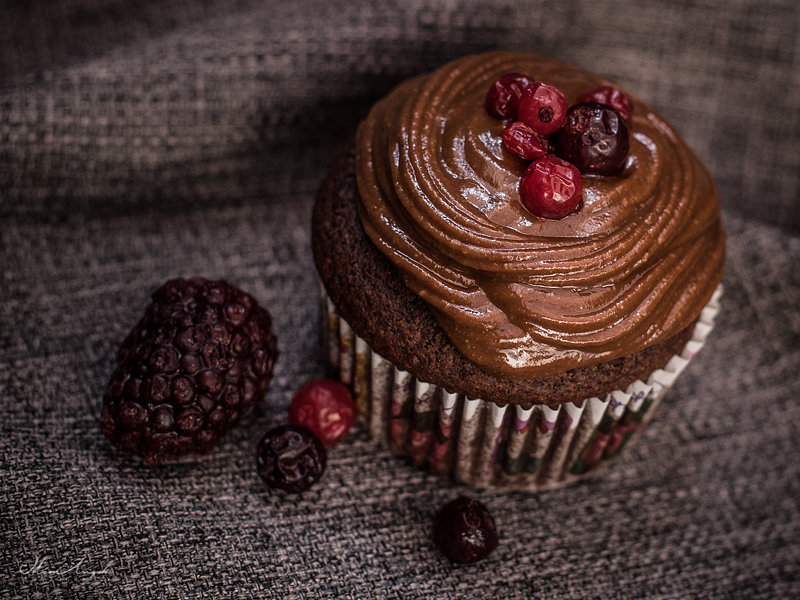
524, 297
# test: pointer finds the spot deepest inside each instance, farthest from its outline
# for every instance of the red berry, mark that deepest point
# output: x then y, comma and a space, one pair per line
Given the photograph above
551, 188
464, 531
502, 99
606, 94
525, 142
542, 108
326, 407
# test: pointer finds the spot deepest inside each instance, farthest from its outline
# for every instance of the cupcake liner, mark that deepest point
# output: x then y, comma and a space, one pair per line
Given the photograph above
483, 444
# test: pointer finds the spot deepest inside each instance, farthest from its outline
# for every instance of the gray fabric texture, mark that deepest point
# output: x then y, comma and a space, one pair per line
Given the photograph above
145, 140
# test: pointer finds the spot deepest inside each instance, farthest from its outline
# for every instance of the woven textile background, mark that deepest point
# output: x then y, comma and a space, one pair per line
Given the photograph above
142, 140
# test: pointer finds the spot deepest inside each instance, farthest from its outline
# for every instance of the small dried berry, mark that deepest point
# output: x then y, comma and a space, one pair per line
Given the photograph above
542, 108
290, 458
523, 141
502, 99
551, 188
594, 138
464, 531
172, 393
326, 407
614, 97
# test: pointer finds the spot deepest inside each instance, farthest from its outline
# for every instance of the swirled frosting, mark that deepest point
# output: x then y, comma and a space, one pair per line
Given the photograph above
524, 297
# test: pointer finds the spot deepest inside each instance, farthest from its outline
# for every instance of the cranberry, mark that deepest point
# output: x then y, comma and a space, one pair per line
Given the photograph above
525, 142
464, 531
502, 99
290, 458
594, 138
542, 108
551, 188
614, 97
326, 407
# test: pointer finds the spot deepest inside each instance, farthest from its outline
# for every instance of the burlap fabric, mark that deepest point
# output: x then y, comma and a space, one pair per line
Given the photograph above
144, 140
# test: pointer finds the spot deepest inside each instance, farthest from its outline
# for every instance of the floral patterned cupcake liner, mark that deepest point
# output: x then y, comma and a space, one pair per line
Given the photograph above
485, 445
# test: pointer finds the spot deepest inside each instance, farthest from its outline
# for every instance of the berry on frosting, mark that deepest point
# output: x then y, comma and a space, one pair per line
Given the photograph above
464, 531
551, 188
542, 108
594, 138
525, 142
200, 359
290, 458
326, 407
614, 97
502, 99
590, 138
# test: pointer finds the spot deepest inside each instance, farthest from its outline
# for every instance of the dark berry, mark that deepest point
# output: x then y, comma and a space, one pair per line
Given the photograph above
210, 380
131, 416
290, 458
263, 361
218, 419
502, 99
189, 420
464, 531
182, 390
551, 188
614, 97
164, 359
230, 395
542, 108
205, 403
161, 419
191, 363
594, 138
326, 407
132, 388
178, 385
236, 313
523, 141
155, 389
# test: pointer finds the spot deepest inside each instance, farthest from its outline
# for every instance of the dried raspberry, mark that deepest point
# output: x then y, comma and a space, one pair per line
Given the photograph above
200, 359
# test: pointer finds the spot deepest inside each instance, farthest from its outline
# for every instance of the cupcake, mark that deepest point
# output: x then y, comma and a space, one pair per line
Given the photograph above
485, 342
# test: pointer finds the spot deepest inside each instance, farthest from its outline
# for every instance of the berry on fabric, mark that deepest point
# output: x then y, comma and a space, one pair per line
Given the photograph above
199, 360
464, 531
326, 407
290, 458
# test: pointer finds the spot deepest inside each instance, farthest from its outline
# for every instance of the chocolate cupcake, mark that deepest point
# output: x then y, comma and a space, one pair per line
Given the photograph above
488, 343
